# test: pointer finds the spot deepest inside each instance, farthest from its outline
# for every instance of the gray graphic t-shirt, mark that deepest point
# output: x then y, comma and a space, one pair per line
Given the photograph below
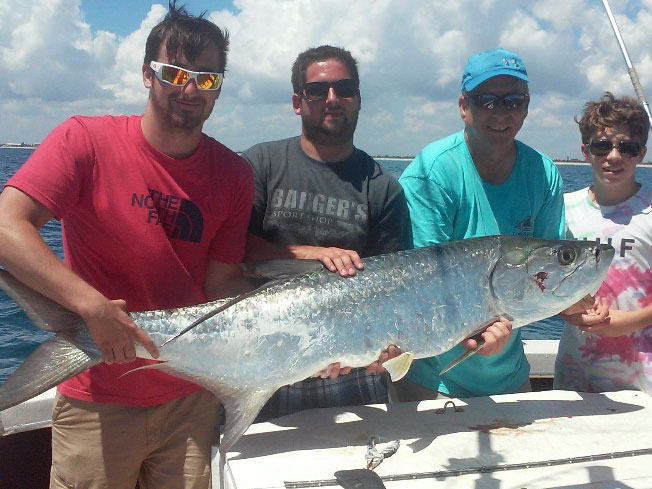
353, 204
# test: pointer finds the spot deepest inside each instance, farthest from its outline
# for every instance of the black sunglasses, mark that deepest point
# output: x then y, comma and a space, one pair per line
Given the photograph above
602, 147
489, 101
319, 90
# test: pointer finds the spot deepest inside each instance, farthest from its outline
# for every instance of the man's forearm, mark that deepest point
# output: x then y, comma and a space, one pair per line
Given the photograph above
27, 257
260, 249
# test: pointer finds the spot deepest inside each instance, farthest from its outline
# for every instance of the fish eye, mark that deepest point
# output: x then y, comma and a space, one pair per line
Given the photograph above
566, 255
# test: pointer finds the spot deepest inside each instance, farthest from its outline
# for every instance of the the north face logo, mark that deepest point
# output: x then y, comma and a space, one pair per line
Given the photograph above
180, 218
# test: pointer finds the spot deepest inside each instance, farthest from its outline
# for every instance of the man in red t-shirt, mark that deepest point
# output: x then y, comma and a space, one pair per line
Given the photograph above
154, 215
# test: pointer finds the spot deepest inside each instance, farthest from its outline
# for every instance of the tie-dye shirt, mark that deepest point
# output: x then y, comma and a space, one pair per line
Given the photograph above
587, 362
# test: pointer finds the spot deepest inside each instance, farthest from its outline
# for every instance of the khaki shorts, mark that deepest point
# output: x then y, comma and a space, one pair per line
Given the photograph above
111, 446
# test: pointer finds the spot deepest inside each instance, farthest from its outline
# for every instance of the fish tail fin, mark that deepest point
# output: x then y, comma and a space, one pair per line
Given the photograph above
51, 363
44, 313
70, 352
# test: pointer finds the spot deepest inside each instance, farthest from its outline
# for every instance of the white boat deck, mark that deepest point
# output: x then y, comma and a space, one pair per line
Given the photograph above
549, 439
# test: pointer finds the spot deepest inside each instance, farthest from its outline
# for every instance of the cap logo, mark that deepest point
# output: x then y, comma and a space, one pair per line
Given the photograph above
511, 61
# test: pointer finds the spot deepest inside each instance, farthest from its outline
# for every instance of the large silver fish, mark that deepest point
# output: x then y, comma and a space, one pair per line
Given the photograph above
425, 301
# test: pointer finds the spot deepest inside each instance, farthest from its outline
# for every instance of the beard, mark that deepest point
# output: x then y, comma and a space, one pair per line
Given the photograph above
179, 118
331, 133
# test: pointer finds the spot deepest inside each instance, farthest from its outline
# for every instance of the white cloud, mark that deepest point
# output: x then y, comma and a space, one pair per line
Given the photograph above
410, 55
48, 39
125, 78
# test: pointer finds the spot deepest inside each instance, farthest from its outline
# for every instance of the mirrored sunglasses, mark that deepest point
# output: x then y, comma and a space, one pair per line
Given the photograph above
490, 101
602, 147
319, 90
178, 77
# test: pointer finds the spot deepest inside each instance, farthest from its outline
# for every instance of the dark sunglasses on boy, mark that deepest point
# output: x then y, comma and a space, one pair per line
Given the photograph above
490, 101
319, 90
602, 147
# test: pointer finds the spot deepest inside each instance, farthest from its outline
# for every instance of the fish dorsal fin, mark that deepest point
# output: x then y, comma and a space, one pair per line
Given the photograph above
279, 269
44, 313
217, 310
273, 270
398, 367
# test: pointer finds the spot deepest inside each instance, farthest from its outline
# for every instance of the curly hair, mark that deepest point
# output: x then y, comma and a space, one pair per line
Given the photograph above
612, 112
322, 53
182, 32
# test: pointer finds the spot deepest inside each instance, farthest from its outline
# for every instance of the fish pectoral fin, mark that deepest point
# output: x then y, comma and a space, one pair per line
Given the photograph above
398, 367
477, 336
240, 414
464, 355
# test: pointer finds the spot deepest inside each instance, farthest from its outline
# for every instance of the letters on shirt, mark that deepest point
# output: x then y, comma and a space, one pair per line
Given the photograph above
180, 218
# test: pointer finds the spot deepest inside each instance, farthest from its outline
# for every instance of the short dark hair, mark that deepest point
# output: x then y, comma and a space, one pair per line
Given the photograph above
182, 32
322, 53
611, 112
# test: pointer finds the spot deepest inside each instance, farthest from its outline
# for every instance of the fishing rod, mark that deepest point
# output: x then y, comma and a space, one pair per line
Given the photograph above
630, 67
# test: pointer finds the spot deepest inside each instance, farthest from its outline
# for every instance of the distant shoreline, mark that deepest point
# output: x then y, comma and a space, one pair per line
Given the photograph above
557, 162
384, 158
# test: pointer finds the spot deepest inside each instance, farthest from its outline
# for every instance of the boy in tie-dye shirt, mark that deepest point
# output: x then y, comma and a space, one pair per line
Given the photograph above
617, 353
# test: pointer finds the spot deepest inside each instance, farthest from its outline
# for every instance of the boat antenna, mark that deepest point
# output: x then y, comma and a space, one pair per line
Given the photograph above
630, 67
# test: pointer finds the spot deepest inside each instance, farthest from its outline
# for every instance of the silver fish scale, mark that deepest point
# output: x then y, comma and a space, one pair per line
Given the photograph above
410, 299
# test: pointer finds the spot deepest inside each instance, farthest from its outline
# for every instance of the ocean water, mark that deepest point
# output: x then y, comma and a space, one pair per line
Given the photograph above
18, 338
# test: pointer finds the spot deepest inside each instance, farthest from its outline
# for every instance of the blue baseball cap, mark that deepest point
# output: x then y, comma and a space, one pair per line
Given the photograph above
480, 67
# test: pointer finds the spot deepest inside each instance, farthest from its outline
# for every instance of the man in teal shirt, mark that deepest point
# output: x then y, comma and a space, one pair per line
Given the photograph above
480, 182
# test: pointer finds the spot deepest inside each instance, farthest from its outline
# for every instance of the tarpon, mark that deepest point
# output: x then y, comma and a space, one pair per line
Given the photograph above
243, 349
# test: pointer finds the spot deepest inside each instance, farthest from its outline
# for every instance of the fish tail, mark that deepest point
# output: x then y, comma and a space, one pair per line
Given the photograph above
50, 364
70, 352
44, 313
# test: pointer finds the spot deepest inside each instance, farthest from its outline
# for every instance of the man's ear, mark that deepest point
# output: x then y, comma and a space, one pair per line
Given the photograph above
296, 103
463, 104
147, 76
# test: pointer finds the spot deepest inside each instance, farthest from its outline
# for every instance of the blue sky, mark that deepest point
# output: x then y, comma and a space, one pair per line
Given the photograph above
66, 57
124, 16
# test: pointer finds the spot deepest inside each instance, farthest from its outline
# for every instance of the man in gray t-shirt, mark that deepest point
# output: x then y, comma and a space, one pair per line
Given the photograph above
319, 197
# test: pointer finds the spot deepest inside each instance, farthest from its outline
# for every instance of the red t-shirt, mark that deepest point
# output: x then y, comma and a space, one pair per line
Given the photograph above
138, 225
